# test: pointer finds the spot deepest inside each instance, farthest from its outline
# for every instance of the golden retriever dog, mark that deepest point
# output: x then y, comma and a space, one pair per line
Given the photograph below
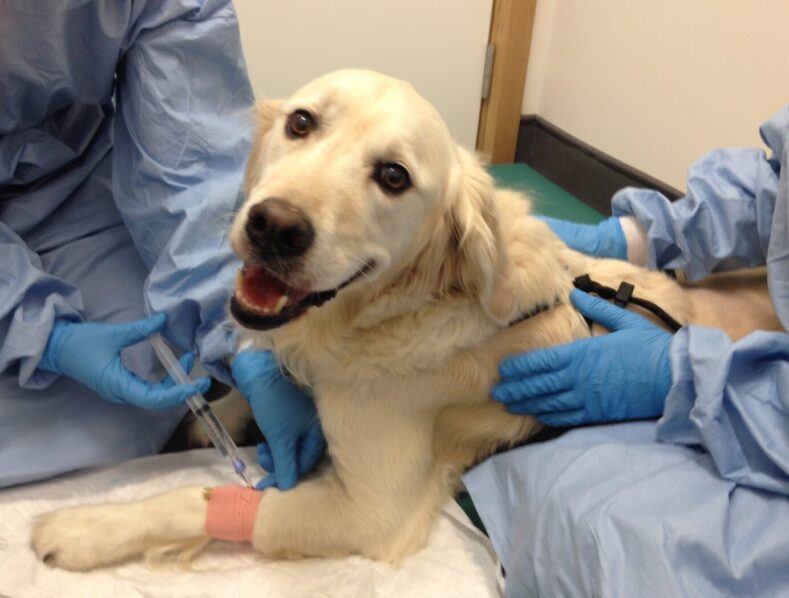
388, 274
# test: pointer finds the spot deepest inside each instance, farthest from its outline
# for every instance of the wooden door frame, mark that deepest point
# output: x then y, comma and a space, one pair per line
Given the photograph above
511, 26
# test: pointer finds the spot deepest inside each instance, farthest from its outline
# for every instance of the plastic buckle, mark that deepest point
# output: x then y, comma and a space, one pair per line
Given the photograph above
623, 294
584, 283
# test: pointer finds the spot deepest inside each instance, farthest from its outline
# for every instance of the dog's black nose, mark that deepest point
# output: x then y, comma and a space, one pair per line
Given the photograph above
278, 228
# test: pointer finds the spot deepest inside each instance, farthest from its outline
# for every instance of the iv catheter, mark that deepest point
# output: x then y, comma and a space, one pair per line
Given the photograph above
202, 410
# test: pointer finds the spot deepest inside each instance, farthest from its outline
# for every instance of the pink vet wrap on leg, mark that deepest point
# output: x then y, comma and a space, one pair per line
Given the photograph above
231, 513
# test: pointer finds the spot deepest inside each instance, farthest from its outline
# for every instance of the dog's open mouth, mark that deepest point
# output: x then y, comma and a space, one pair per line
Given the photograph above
262, 301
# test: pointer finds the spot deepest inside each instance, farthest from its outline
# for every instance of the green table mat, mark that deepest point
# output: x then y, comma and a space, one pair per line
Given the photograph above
547, 198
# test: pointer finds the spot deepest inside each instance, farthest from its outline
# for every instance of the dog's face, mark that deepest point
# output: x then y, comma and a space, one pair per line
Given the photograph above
341, 180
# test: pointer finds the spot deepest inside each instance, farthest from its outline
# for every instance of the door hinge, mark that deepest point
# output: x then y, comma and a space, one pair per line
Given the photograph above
487, 74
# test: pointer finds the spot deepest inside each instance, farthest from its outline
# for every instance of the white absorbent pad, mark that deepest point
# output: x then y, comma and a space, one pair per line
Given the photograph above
458, 560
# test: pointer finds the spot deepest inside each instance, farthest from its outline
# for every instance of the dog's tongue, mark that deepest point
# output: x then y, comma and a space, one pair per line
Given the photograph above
265, 291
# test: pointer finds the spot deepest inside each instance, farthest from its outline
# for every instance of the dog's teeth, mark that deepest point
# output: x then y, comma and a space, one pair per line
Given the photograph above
283, 301
249, 305
244, 301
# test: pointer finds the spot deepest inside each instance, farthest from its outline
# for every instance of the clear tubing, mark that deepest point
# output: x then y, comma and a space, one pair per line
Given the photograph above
202, 410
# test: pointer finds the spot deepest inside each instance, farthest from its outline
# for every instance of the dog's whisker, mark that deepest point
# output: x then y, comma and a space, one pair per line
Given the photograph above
363, 263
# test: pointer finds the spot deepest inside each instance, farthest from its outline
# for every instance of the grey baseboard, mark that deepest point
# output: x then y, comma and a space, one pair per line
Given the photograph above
589, 174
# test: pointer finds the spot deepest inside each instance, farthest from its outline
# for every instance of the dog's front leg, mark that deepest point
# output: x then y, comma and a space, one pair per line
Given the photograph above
92, 536
380, 493
320, 518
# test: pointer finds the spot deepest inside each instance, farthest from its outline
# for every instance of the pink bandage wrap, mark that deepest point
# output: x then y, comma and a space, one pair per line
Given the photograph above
231, 513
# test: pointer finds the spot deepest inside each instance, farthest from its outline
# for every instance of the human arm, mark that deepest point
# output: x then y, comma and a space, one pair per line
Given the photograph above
55, 145
181, 140
91, 354
724, 222
732, 398
286, 415
44, 337
604, 239
31, 300
617, 376
726, 219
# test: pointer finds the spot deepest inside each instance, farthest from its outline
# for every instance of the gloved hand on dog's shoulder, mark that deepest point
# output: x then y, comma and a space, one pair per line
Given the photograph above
622, 375
285, 415
605, 239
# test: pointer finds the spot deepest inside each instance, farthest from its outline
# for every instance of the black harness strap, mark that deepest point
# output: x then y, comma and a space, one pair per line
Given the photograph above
539, 308
622, 296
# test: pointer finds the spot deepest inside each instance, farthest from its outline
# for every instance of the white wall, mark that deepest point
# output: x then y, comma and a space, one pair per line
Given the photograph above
438, 46
657, 84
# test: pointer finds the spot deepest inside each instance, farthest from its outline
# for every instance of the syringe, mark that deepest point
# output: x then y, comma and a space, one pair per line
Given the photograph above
202, 410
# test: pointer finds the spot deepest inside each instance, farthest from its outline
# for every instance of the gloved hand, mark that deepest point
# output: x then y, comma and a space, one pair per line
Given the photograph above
618, 376
286, 416
91, 354
605, 239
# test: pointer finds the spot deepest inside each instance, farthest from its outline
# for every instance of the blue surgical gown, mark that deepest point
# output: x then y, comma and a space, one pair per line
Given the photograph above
123, 134
698, 503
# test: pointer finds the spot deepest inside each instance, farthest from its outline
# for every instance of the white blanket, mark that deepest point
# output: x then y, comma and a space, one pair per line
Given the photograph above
458, 560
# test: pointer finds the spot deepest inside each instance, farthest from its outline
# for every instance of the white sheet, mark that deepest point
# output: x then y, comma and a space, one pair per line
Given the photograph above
458, 561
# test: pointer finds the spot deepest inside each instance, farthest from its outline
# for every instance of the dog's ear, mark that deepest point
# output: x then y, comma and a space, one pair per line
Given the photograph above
481, 264
265, 114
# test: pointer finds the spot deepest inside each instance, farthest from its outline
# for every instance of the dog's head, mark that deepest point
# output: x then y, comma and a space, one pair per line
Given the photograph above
351, 183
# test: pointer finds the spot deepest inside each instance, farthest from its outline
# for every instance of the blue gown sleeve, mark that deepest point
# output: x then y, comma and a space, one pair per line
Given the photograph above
30, 301
732, 399
181, 140
724, 222
46, 152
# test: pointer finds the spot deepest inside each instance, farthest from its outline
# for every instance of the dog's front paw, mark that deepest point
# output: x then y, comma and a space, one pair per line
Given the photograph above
234, 413
81, 539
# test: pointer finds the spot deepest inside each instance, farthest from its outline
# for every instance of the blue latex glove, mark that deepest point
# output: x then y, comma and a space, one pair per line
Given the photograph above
91, 354
605, 239
618, 376
285, 415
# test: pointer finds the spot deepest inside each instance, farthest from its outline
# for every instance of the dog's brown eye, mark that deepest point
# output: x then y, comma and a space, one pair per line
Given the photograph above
392, 178
299, 124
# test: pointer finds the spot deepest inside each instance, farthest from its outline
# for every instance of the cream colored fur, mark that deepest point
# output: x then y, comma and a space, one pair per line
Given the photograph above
402, 361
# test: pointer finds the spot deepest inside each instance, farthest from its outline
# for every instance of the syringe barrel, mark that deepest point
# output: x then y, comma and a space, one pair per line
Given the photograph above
169, 360
199, 406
